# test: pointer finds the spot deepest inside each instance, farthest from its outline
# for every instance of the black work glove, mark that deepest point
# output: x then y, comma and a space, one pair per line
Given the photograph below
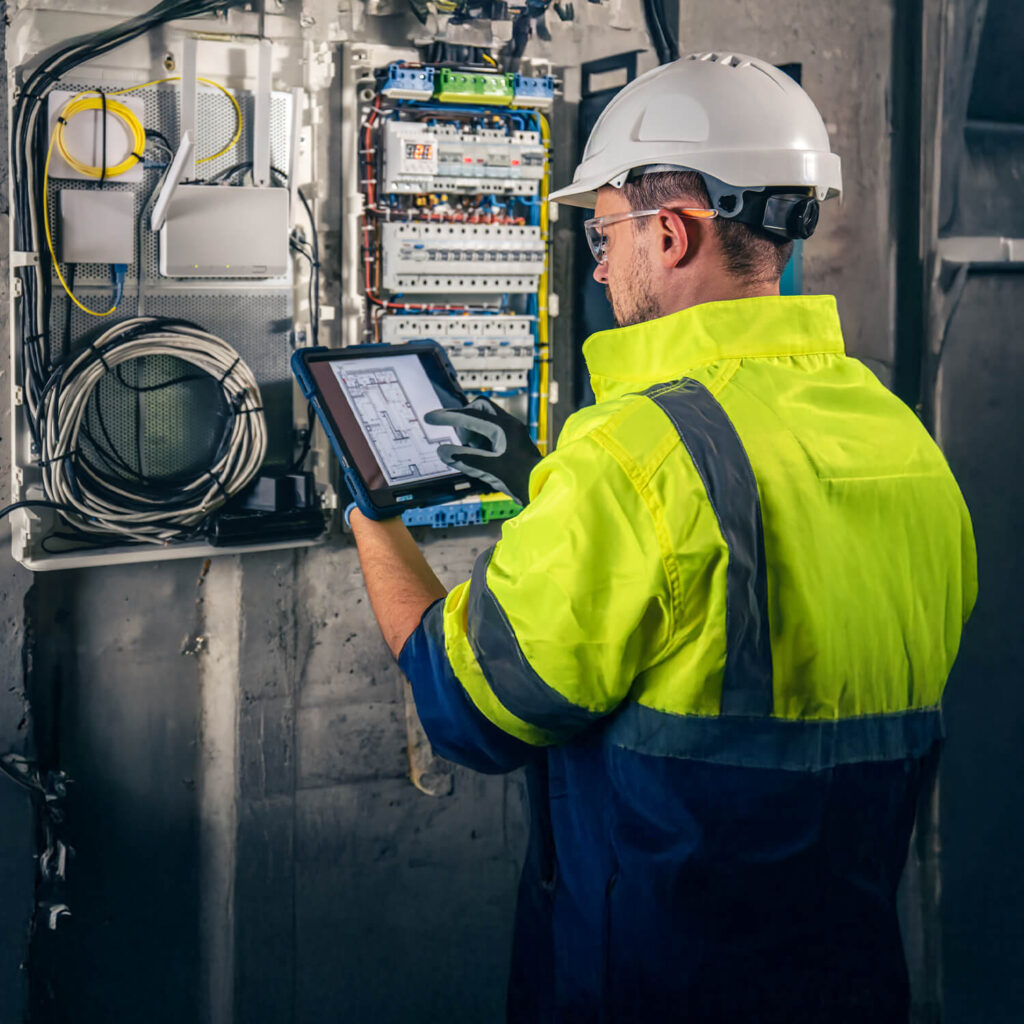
496, 447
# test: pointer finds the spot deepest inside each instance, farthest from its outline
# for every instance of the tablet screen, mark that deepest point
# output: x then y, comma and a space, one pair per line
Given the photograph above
379, 404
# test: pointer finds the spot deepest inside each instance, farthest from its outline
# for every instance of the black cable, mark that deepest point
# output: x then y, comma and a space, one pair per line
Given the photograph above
664, 44
68, 308
103, 137
33, 503
314, 315
152, 133
314, 273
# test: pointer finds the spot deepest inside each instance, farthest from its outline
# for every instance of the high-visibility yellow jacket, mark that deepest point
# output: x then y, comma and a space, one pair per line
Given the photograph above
745, 569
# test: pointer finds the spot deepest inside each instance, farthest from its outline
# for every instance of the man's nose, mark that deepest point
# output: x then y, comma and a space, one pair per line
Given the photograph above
601, 272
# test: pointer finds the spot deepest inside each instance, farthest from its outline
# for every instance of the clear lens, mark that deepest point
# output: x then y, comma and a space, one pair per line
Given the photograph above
595, 238
596, 225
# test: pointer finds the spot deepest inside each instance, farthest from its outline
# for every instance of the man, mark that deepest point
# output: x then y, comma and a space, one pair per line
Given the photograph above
719, 632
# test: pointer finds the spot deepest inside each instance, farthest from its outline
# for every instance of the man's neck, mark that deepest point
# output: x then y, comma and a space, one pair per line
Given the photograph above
718, 290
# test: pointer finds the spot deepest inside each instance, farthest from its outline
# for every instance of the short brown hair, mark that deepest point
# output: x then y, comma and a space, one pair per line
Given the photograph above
747, 253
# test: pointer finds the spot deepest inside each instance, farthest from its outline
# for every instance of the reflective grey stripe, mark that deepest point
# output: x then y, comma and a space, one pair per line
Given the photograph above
717, 452
794, 745
505, 667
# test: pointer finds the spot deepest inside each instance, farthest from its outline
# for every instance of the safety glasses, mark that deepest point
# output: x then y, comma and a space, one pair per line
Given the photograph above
595, 227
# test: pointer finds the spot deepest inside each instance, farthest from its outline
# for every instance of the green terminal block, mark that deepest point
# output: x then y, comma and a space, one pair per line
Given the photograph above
498, 507
467, 87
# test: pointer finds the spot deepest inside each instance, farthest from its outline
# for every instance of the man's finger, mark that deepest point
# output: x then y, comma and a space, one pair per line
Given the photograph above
454, 454
466, 425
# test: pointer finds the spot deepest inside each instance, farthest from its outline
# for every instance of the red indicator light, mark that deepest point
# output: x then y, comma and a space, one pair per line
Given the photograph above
515, 163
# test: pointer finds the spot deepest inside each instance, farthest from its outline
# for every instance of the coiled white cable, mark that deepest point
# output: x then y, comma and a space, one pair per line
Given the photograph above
103, 504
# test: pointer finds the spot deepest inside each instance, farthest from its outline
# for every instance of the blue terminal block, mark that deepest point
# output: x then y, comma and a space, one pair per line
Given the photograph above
488, 508
438, 517
534, 92
405, 83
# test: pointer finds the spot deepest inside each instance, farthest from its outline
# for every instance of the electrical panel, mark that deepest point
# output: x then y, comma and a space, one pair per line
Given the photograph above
184, 163
450, 165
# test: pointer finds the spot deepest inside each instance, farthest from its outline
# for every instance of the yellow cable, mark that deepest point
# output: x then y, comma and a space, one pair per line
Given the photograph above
205, 81
49, 237
490, 60
136, 134
543, 350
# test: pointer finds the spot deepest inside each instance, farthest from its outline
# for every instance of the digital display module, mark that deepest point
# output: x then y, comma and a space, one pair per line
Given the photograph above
419, 151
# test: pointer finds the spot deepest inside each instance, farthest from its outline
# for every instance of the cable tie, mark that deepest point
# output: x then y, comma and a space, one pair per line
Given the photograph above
101, 357
138, 156
216, 479
43, 463
231, 369
246, 412
103, 142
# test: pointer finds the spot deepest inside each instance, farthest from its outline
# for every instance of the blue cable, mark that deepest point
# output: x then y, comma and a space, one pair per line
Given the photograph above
118, 273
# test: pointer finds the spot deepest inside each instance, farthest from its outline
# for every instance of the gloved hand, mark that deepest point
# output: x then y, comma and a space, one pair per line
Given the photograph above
496, 447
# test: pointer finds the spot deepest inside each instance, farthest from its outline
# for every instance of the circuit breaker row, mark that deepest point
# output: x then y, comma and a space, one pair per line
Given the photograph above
443, 158
475, 258
489, 353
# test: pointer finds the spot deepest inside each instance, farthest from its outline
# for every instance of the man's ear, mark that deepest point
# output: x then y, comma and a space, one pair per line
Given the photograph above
674, 241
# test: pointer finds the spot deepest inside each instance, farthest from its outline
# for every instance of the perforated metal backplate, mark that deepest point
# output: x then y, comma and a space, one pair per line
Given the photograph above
173, 431
178, 424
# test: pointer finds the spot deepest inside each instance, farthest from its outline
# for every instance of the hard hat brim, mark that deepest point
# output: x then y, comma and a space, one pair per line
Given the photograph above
741, 170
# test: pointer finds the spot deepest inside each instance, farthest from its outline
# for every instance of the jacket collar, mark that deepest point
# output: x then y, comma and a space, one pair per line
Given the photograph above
633, 358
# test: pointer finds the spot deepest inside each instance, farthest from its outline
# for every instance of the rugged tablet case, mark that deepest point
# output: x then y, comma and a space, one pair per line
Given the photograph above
352, 478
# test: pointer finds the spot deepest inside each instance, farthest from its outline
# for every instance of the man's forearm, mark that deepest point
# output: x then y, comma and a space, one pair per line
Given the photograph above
401, 584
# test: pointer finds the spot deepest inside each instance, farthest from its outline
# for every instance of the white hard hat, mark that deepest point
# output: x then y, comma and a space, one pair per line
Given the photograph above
739, 121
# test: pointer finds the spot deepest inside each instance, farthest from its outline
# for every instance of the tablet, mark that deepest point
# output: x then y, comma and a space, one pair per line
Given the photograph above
371, 400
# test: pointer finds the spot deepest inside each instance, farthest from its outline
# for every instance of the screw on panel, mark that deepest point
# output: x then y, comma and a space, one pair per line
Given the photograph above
169, 64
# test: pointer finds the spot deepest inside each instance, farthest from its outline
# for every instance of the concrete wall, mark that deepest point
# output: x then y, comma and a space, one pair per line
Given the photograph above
846, 54
980, 419
247, 842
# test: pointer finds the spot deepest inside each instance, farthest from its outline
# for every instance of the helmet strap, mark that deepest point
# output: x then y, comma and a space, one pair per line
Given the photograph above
788, 212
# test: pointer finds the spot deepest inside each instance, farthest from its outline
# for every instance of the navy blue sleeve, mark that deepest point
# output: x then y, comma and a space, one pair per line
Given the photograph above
455, 728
